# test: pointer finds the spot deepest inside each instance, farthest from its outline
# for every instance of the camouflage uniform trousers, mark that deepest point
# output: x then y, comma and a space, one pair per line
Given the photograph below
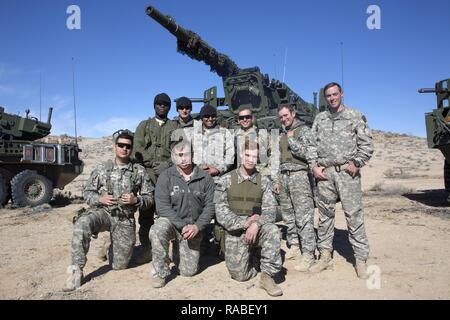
297, 206
161, 233
146, 216
239, 256
123, 237
342, 185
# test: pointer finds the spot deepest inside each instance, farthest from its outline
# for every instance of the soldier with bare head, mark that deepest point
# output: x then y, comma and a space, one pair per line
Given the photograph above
342, 145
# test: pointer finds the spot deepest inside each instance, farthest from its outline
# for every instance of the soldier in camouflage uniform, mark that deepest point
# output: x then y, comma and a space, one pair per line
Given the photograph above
342, 145
213, 146
293, 187
184, 201
114, 191
248, 128
152, 150
245, 208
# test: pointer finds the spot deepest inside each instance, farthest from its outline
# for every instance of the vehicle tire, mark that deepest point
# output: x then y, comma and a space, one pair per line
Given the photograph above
447, 175
28, 188
4, 191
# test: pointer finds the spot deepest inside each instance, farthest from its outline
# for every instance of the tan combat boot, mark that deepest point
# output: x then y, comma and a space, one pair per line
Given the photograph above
267, 283
75, 278
306, 261
146, 255
325, 262
361, 269
158, 282
292, 253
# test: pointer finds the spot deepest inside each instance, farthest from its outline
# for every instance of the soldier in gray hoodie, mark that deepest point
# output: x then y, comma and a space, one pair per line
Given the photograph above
185, 204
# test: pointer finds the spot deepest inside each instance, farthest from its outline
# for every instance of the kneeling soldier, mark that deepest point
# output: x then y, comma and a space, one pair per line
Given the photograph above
112, 193
245, 207
184, 201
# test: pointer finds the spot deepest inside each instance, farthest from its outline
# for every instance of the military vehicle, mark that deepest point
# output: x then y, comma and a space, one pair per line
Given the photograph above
242, 87
438, 125
30, 169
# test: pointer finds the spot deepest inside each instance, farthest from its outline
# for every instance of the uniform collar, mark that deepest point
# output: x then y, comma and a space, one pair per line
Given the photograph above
293, 127
128, 166
241, 178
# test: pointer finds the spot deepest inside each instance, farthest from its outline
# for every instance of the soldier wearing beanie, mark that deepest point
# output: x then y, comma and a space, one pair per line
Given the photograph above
184, 109
152, 150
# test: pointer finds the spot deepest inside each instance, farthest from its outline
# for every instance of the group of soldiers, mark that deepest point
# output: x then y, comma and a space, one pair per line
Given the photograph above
190, 174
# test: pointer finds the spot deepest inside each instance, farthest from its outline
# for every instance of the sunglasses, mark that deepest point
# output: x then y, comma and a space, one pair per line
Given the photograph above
184, 107
124, 145
209, 116
164, 104
246, 117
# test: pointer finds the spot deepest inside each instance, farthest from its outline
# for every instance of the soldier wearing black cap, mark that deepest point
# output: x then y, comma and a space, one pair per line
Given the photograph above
184, 109
152, 150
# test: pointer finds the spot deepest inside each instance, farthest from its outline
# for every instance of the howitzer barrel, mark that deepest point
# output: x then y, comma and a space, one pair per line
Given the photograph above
191, 44
169, 23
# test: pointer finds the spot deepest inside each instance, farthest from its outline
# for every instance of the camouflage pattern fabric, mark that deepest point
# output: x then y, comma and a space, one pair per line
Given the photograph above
296, 197
297, 204
230, 220
123, 237
239, 256
161, 233
348, 189
116, 181
109, 178
213, 147
338, 138
263, 139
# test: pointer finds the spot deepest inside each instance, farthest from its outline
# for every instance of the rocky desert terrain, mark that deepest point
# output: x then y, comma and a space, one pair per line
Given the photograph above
407, 222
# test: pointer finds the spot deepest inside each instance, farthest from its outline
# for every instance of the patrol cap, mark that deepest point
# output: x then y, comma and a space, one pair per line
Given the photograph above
208, 110
162, 98
123, 133
184, 102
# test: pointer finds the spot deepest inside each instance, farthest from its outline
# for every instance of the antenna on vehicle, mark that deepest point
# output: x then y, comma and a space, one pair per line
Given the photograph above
40, 96
284, 67
275, 65
74, 105
342, 64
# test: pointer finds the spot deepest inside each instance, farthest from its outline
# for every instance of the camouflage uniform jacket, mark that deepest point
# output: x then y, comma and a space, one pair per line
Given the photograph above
263, 139
151, 143
109, 178
188, 124
340, 137
214, 147
185, 202
299, 146
232, 221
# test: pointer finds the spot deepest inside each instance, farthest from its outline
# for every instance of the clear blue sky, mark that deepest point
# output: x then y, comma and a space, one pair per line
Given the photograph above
123, 58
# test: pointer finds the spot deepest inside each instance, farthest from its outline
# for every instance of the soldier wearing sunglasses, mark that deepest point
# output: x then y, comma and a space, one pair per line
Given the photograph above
184, 109
114, 191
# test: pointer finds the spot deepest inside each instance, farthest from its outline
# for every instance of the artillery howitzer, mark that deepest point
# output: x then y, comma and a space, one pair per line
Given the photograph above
30, 169
242, 87
438, 125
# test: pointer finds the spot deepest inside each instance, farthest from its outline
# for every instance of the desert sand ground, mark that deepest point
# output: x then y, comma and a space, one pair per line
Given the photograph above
407, 223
